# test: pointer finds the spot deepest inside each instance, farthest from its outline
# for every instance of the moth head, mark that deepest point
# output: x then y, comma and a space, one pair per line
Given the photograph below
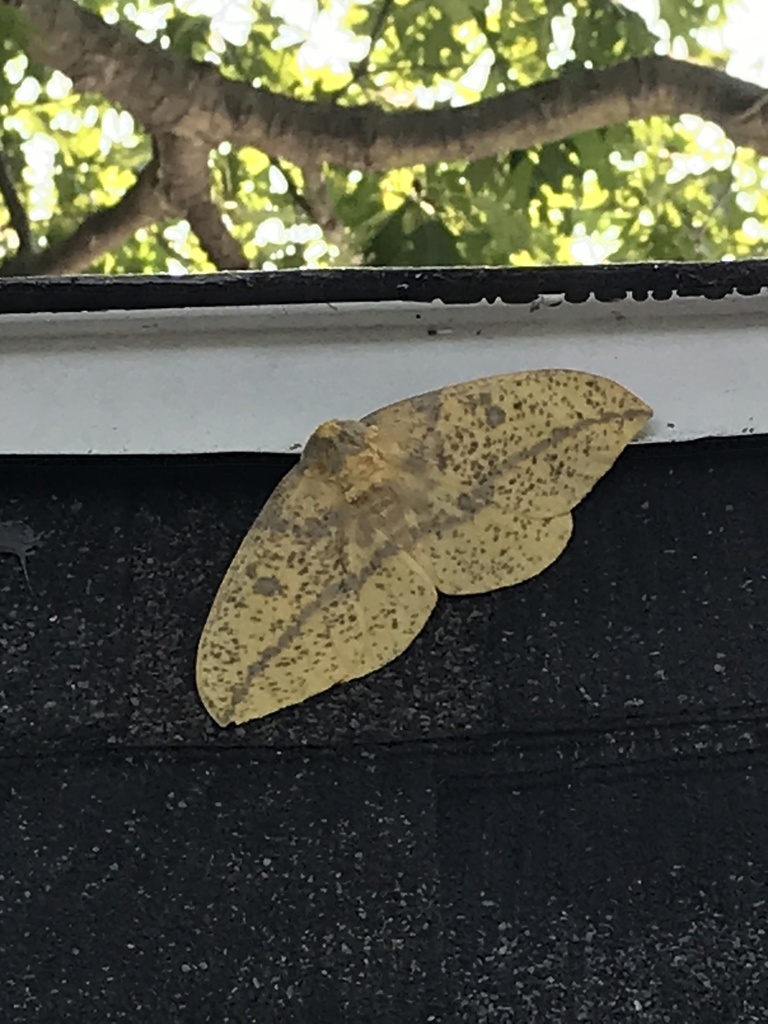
335, 442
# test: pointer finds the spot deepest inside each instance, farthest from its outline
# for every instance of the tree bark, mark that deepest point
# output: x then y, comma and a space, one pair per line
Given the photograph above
17, 214
169, 94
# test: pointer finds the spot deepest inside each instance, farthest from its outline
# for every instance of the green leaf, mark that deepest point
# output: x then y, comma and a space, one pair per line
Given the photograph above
388, 245
15, 27
189, 35
433, 245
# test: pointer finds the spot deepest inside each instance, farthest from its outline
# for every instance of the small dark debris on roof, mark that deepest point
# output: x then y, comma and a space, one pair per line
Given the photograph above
20, 540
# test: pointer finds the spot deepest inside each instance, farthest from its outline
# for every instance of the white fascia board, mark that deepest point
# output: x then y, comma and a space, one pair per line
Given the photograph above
260, 378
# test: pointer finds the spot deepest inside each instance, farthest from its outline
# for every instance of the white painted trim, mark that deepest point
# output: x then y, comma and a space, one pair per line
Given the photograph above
261, 378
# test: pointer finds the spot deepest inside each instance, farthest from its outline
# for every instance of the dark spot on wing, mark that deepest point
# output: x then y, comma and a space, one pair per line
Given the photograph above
495, 416
467, 503
267, 586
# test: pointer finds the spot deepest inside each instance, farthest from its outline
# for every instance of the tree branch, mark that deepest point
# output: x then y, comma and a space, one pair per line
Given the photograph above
368, 138
17, 214
218, 244
171, 95
360, 70
298, 197
185, 178
176, 182
165, 92
313, 201
318, 197
100, 233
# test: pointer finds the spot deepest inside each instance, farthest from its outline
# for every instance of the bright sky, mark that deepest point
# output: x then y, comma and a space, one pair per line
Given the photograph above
744, 34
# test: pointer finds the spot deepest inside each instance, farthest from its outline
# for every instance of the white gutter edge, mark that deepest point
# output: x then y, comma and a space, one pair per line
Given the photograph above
261, 378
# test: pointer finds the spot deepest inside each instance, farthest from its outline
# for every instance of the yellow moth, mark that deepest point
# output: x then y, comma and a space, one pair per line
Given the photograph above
460, 490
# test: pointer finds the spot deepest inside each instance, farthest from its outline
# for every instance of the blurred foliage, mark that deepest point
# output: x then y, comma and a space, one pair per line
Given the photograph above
661, 189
